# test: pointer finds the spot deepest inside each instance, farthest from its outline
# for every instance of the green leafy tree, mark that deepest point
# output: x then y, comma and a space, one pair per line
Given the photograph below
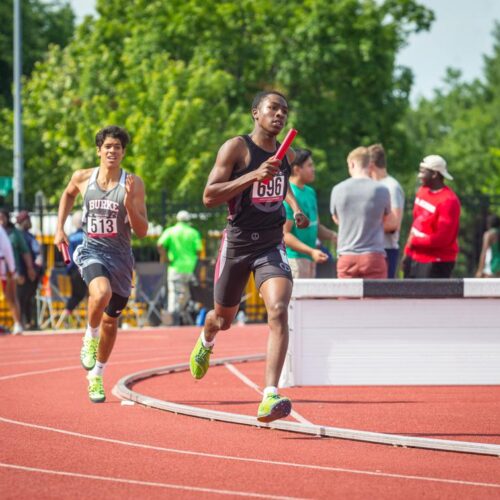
461, 122
180, 76
43, 23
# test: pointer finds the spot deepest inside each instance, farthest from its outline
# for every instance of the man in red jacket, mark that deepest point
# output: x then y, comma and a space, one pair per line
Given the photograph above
432, 248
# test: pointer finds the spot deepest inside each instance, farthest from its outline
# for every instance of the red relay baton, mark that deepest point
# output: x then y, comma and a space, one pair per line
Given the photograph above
280, 154
290, 136
65, 252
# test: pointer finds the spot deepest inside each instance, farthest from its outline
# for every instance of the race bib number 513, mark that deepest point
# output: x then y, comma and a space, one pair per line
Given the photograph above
102, 227
274, 190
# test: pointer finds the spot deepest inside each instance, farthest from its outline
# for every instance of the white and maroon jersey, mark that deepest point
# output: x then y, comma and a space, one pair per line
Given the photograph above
105, 219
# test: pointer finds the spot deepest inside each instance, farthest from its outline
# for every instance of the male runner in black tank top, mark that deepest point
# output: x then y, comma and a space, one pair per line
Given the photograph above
254, 184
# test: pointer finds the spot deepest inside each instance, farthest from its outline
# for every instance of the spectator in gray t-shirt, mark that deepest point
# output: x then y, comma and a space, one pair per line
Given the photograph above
378, 172
361, 207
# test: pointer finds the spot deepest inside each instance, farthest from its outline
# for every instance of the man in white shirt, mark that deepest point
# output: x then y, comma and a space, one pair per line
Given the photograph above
378, 172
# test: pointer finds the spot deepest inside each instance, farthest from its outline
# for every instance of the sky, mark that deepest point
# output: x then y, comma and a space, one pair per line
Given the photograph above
460, 36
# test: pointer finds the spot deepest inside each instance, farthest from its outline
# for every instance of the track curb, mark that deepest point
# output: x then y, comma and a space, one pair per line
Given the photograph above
122, 390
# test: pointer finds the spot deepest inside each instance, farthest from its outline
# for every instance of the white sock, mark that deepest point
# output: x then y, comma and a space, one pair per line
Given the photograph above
205, 342
270, 390
98, 369
92, 332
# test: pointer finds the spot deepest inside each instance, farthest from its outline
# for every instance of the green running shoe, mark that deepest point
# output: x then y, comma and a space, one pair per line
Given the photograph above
199, 360
88, 353
274, 406
96, 389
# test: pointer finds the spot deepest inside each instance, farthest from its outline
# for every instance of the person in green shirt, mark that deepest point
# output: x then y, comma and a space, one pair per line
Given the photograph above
301, 243
179, 247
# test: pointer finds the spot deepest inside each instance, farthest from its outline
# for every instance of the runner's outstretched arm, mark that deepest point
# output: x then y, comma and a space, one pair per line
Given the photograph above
66, 203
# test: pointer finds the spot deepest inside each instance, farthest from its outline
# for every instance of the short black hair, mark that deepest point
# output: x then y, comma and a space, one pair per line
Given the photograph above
262, 95
493, 221
301, 156
6, 212
112, 131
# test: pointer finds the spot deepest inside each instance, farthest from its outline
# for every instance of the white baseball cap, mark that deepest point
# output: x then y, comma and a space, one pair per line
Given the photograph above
436, 163
183, 216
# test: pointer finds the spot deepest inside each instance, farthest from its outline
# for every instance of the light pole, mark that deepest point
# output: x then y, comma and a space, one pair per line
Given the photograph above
18, 126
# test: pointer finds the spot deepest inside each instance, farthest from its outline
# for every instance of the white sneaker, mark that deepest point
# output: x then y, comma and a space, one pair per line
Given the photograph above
18, 329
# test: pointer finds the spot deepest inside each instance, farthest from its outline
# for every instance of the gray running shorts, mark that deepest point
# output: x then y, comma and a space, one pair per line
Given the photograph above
119, 268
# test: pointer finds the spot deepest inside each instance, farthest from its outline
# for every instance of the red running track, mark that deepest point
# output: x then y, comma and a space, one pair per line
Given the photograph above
56, 444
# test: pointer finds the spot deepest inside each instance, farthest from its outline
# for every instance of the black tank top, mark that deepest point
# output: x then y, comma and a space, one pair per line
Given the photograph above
256, 215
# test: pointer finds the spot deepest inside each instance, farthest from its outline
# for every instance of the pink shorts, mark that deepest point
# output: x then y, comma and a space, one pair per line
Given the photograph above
366, 265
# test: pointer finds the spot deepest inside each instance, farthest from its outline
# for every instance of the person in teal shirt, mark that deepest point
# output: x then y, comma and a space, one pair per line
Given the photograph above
179, 246
301, 249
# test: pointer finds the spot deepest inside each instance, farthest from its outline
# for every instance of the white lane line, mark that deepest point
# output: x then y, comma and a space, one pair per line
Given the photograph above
13, 357
24, 361
74, 331
76, 354
325, 468
75, 348
253, 385
145, 483
52, 333
74, 367
39, 372
40, 360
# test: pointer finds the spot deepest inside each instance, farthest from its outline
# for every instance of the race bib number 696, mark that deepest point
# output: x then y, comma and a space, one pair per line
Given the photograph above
274, 190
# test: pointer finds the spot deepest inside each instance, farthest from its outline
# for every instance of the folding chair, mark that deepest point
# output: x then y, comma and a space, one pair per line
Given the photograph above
200, 297
44, 311
150, 290
51, 301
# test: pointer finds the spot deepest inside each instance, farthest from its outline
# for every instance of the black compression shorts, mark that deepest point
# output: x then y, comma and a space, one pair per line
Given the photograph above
232, 272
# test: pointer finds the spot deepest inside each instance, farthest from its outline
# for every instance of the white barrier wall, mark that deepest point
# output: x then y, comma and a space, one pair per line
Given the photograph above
393, 332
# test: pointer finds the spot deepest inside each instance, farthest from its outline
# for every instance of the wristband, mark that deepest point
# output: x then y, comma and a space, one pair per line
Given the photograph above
297, 213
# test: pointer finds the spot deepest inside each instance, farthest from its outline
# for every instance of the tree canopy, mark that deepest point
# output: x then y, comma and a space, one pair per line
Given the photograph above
180, 76
43, 23
462, 123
